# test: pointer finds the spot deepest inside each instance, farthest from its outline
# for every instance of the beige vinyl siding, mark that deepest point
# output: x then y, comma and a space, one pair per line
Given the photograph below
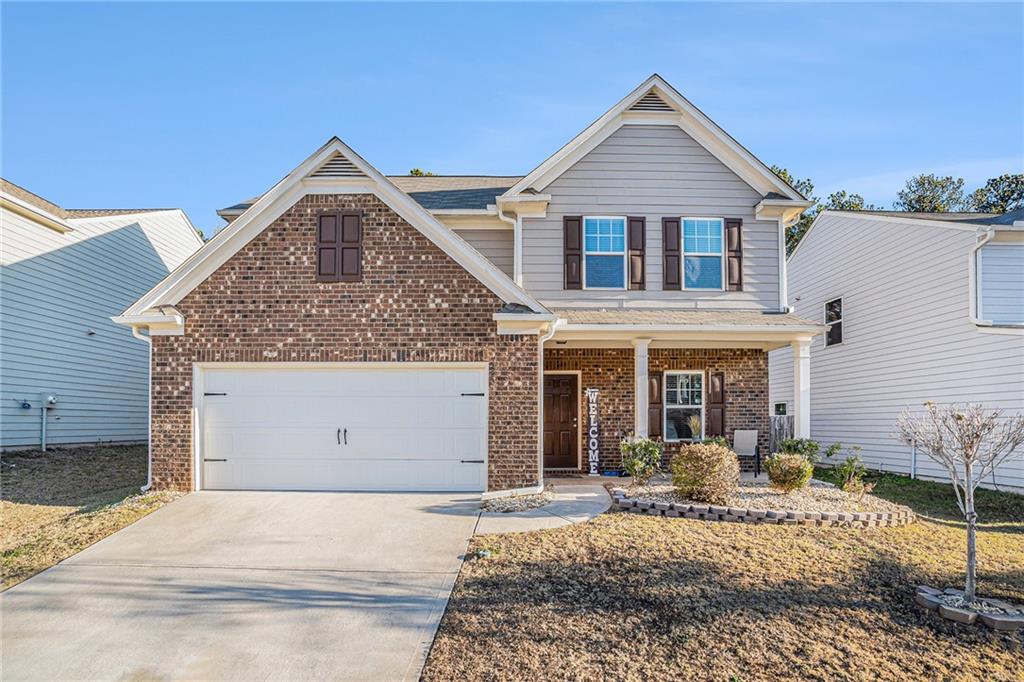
497, 245
54, 289
907, 337
651, 171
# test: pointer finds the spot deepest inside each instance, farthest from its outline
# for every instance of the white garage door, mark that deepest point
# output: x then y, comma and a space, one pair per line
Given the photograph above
354, 428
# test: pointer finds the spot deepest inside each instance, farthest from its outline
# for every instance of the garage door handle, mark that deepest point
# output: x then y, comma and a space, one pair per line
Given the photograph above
471, 461
207, 459
478, 395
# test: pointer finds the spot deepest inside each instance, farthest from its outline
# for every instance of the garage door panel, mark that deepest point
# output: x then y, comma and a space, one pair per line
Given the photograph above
401, 429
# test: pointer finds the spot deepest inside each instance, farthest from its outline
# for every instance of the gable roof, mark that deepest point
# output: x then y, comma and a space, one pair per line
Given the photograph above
655, 101
332, 169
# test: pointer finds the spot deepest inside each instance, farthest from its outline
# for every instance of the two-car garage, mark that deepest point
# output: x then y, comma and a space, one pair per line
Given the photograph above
342, 426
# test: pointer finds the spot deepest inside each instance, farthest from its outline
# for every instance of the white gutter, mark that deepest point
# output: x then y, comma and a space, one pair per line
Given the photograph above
544, 338
149, 411
986, 235
517, 243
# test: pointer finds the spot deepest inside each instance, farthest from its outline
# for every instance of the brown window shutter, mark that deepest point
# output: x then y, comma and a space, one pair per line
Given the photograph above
716, 404
328, 244
572, 228
734, 253
671, 267
654, 404
637, 232
350, 253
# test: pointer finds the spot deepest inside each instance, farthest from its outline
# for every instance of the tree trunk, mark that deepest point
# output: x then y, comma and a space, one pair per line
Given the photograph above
972, 556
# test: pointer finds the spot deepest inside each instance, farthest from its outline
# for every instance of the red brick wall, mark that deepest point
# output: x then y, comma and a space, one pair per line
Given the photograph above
611, 371
415, 304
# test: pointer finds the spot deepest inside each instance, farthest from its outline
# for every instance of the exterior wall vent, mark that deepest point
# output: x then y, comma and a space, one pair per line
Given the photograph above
651, 102
337, 167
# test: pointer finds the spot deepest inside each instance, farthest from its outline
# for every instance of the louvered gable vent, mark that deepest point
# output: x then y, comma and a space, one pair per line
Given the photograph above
337, 167
651, 102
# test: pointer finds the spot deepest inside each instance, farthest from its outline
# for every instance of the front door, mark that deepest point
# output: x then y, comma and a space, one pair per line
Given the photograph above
561, 421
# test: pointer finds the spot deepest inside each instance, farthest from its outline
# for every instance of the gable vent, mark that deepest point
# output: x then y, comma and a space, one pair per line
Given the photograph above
337, 167
651, 102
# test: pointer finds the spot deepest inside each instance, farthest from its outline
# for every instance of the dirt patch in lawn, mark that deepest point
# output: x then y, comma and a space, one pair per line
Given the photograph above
817, 496
631, 597
54, 504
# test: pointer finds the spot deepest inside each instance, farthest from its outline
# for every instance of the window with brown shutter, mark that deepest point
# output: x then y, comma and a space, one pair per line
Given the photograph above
637, 237
572, 229
716, 404
339, 247
734, 253
671, 268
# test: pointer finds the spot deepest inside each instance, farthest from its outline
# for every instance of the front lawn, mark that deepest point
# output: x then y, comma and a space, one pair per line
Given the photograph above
54, 504
635, 597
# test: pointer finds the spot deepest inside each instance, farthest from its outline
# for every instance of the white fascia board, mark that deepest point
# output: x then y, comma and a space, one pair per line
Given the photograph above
790, 330
273, 203
43, 217
524, 323
158, 324
693, 121
784, 209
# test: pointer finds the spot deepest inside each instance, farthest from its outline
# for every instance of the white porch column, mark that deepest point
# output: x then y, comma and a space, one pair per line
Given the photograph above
640, 404
802, 388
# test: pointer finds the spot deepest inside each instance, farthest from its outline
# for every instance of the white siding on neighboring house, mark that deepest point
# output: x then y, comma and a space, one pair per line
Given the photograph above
907, 336
1001, 283
651, 171
57, 293
495, 244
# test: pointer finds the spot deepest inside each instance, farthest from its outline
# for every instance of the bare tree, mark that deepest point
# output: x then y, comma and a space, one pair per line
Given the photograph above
970, 442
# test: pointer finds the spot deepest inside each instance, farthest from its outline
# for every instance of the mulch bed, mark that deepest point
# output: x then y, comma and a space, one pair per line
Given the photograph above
632, 597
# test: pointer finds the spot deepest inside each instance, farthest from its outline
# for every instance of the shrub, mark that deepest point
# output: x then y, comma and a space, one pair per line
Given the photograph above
705, 472
716, 440
805, 447
788, 472
640, 458
851, 472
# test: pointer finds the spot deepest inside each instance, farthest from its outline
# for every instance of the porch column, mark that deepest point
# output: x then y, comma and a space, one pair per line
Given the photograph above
802, 388
640, 403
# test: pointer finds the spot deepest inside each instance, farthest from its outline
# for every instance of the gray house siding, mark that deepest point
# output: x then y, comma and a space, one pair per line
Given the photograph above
651, 171
907, 337
495, 244
57, 293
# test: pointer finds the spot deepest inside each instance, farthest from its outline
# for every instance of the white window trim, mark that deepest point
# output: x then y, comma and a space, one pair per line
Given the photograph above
980, 284
685, 253
625, 252
665, 407
828, 325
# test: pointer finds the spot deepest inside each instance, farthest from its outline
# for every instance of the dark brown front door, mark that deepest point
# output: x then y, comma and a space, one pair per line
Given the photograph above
561, 415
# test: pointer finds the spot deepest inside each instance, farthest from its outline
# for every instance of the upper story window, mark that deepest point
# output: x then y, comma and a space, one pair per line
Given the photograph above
684, 406
703, 261
834, 321
1001, 284
604, 252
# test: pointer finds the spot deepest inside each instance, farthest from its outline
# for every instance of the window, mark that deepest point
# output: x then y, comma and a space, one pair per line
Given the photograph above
604, 253
1001, 284
684, 404
834, 321
702, 253
780, 409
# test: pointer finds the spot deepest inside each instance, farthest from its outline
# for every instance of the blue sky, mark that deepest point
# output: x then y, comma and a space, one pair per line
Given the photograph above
201, 105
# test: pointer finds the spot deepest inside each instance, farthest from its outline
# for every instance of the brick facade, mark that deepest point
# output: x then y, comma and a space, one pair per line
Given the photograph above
414, 304
610, 370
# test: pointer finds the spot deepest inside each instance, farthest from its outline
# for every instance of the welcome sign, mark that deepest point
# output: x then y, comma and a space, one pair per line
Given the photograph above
593, 452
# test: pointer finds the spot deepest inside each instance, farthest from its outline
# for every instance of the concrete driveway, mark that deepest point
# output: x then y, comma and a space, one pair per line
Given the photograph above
247, 585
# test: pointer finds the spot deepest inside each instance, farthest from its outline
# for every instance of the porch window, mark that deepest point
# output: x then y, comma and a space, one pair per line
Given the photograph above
684, 406
604, 254
834, 321
703, 263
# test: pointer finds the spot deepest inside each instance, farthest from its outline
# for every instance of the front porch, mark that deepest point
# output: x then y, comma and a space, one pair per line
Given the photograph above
604, 382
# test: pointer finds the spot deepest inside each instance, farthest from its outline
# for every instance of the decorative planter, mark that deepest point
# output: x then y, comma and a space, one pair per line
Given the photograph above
998, 615
784, 517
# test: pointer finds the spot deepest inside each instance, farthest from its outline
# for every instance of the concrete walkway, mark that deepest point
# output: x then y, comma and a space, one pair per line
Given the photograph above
575, 501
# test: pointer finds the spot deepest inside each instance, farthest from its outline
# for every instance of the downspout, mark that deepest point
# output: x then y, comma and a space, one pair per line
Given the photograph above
149, 409
544, 338
517, 243
989, 235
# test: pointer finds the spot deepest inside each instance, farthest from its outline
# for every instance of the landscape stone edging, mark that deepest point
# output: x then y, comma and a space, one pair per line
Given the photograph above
705, 512
1011, 620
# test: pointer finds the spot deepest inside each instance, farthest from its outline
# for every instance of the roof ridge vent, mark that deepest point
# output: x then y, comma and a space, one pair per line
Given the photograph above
337, 166
651, 102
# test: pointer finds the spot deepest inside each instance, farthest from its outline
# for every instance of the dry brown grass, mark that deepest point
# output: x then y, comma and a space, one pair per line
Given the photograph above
57, 503
641, 598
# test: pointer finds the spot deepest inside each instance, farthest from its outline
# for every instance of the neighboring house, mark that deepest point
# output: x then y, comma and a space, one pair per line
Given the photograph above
919, 307
349, 330
63, 273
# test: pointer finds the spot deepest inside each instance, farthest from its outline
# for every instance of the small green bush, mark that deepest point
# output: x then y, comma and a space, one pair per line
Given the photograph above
788, 472
805, 447
705, 472
716, 440
640, 457
851, 472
